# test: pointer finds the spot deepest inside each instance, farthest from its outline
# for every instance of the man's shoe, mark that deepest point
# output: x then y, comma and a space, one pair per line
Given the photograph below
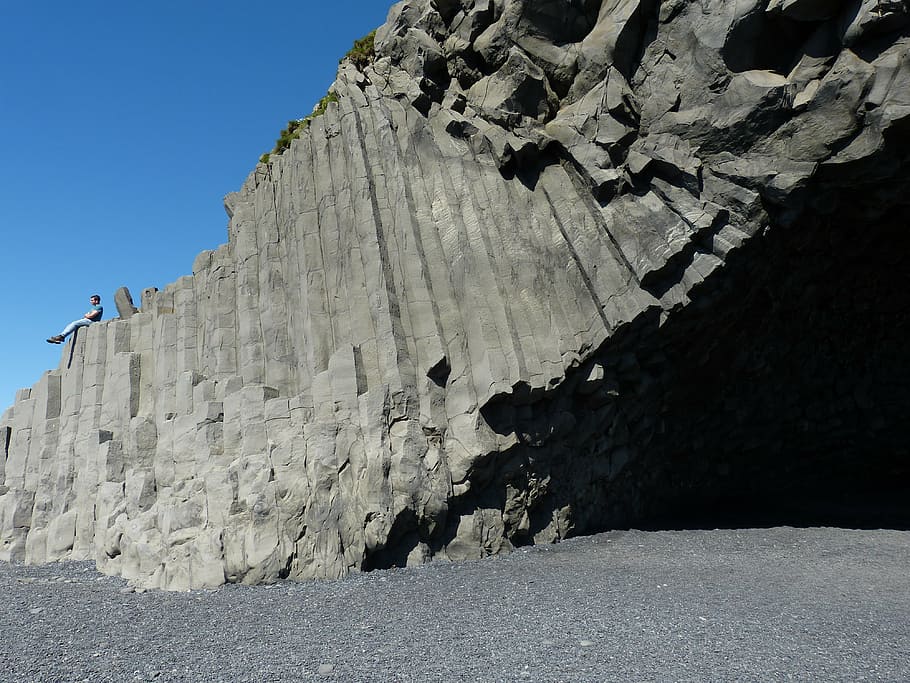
56, 339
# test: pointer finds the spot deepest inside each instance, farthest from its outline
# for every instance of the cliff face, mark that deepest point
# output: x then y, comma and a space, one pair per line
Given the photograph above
545, 267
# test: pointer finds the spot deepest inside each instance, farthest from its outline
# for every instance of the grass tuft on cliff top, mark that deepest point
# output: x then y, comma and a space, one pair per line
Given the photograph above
363, 53
360, 55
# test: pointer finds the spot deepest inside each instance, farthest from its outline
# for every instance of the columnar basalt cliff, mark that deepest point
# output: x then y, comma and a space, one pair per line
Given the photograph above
544, 268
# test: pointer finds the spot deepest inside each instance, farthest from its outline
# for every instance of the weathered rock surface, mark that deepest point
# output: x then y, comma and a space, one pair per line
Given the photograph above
545, 267
124, 302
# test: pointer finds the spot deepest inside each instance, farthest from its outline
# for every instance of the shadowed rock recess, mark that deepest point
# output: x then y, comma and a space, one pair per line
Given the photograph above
546, 267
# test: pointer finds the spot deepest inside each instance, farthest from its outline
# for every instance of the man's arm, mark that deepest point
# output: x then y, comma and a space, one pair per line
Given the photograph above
92, 314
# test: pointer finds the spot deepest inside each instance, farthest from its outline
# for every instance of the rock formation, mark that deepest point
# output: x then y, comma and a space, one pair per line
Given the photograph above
124, 302
545, 267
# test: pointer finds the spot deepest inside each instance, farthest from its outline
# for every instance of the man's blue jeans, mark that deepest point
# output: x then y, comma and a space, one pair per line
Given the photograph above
69, 329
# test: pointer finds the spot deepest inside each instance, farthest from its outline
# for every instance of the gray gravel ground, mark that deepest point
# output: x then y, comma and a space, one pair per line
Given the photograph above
749, 605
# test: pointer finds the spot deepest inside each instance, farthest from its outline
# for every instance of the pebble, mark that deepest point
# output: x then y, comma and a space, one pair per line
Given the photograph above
465, 622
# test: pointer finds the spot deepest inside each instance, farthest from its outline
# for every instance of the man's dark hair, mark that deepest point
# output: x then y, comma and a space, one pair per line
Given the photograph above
95, 296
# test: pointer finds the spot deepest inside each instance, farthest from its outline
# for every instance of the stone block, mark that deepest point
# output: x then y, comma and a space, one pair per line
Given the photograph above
196, 564
233, 429
277, 409
16, 507
203, 261
112, 460
54, 398
209, 447
36, 546
143, 441
204, 391
124, 302
140, 491
149, 296
186, 385
61, 535
209, 412
183, 516
119, 335
164, 302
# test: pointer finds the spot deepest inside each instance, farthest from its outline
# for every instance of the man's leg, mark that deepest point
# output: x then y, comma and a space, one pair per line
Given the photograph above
69, 329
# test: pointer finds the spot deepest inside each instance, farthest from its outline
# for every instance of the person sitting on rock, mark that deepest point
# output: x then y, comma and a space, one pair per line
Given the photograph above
93, 316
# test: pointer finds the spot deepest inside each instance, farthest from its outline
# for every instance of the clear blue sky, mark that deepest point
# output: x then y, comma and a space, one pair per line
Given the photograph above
122, 127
